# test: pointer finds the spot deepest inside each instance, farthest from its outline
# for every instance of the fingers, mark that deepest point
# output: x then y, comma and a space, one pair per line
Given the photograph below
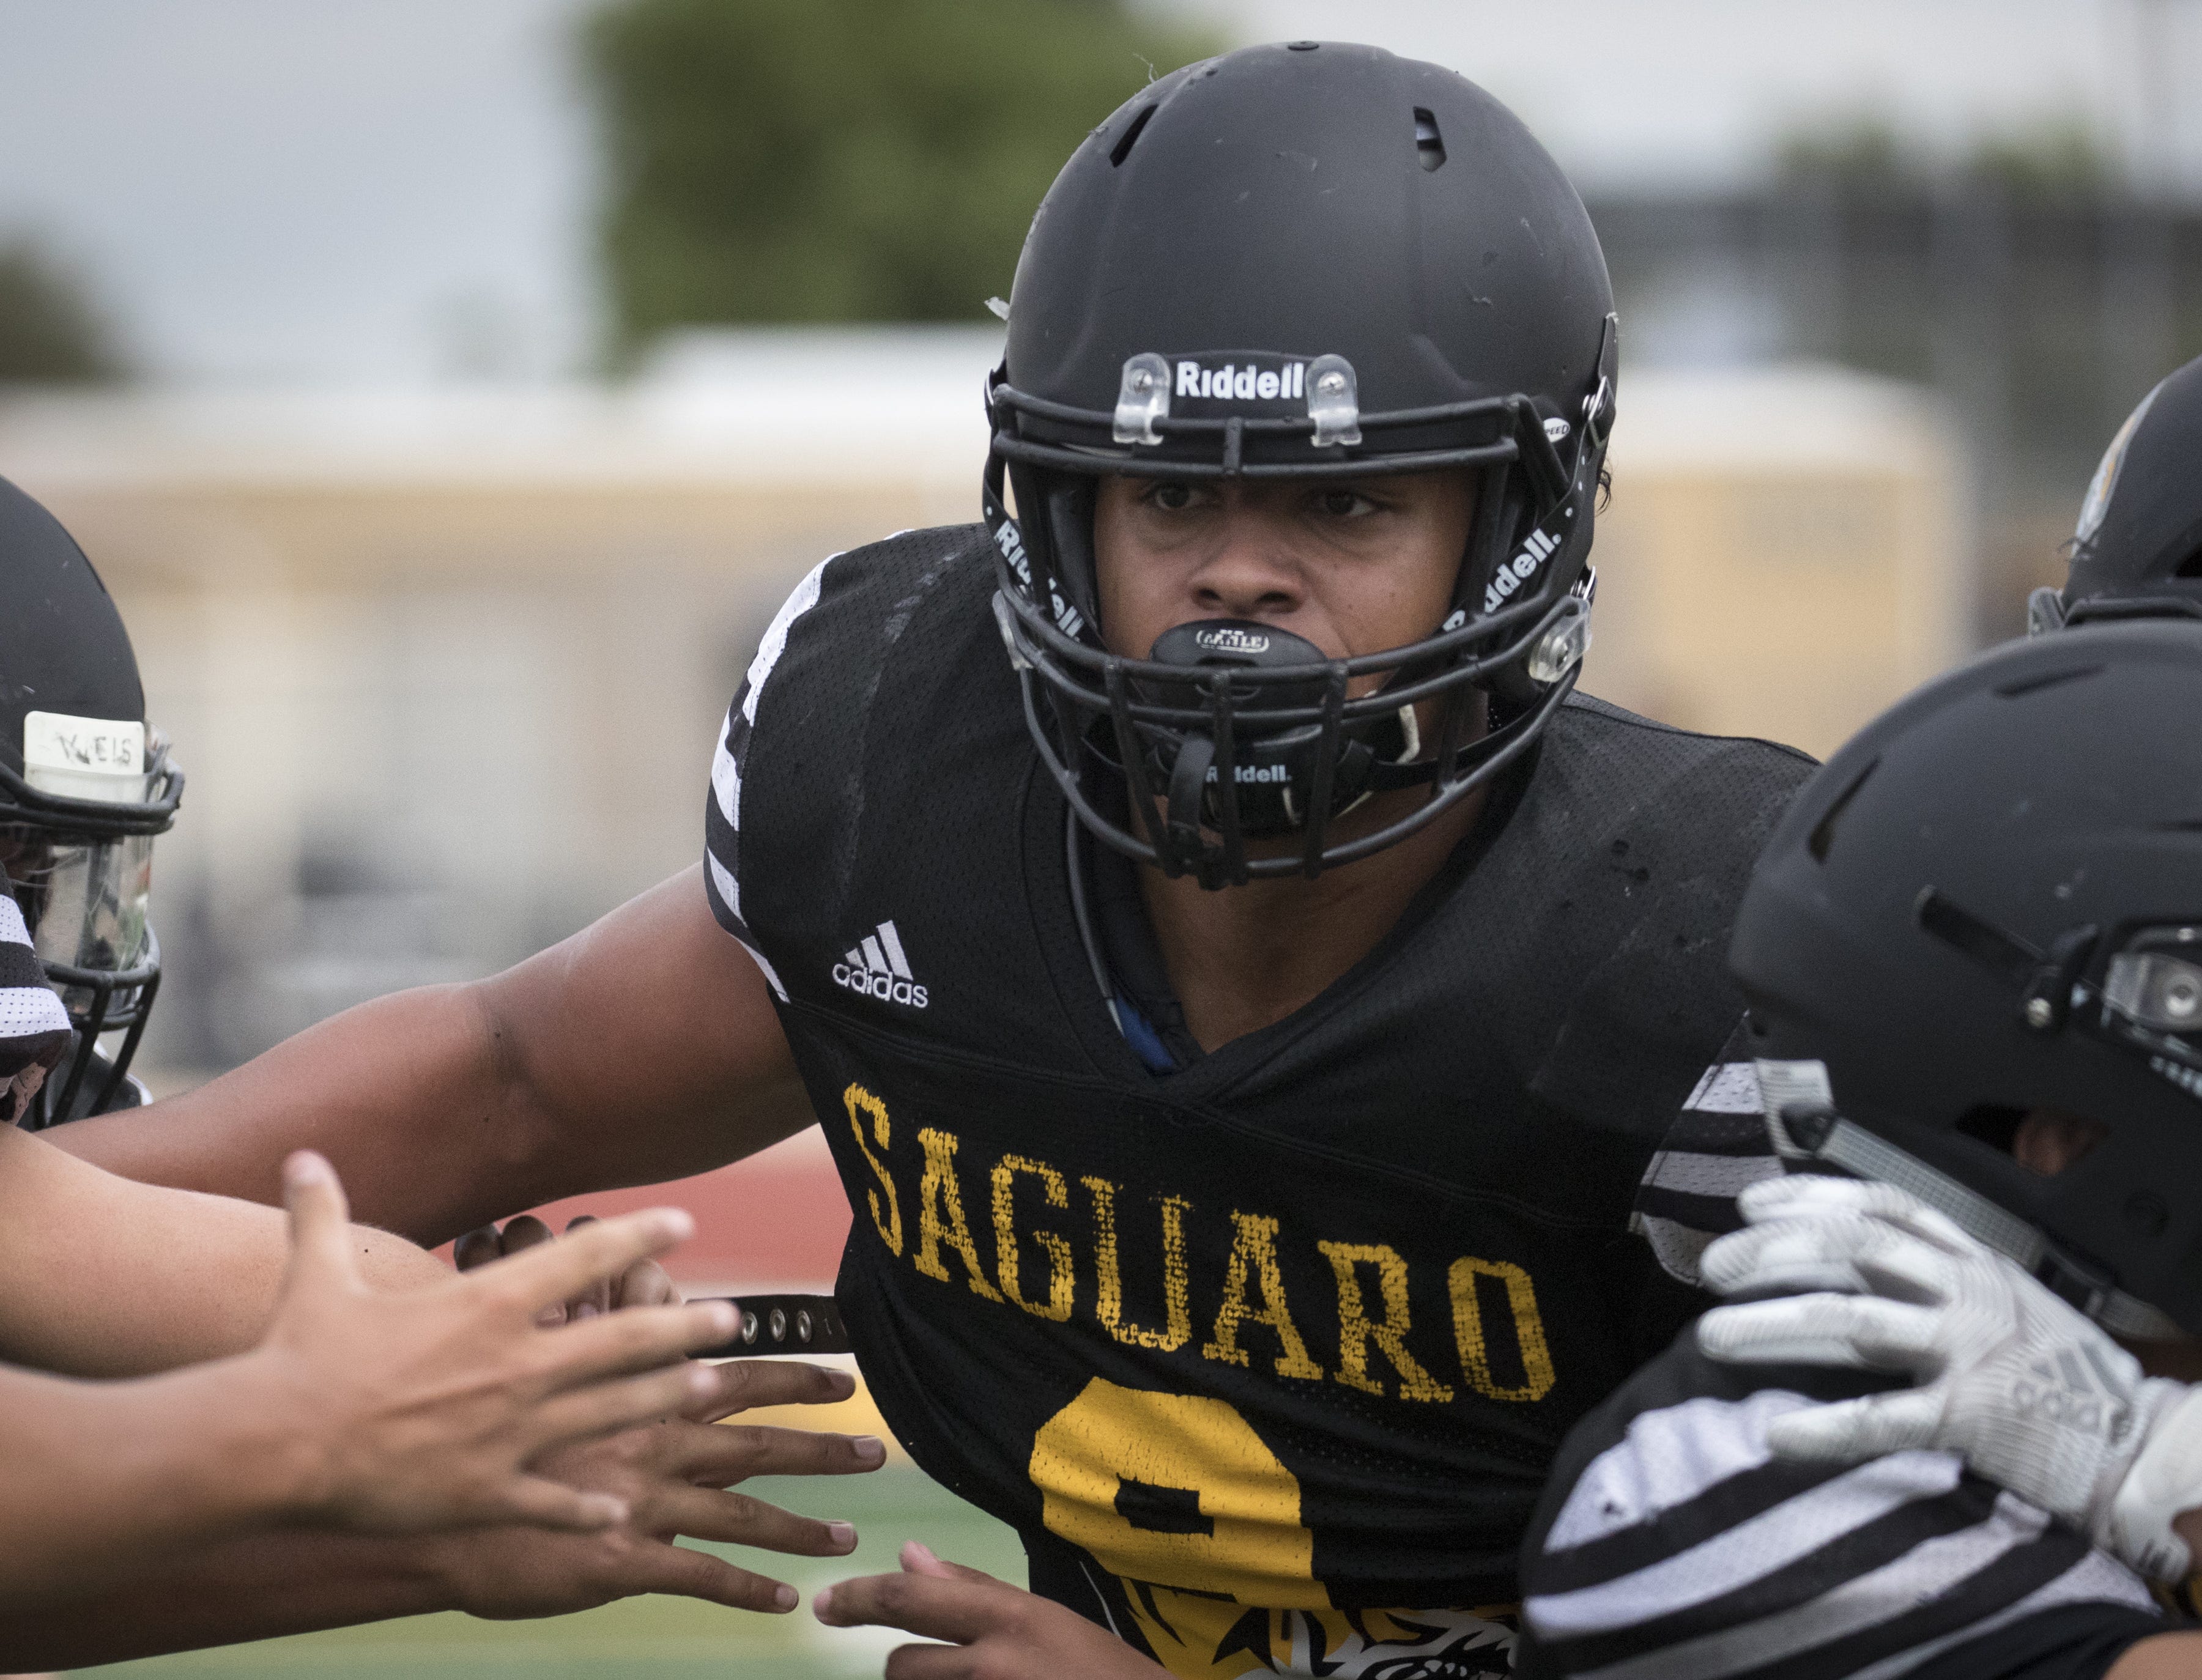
644, 1284
724, 1454
606, 1408
320, 1222
553, 1273
542, 1503
1853, 1430
1816, 1195
707, 1513
596, 1298
751, 1382
1859, 1332
919, 1558
477, 1248
652, 1567
1842, 1251
928, 1605
627, 1342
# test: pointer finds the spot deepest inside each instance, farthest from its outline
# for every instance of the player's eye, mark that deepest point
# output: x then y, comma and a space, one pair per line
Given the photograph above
1170, 498
1343, 504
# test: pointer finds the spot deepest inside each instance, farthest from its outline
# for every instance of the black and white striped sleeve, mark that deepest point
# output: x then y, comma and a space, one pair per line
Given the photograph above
32, 1022
1718, 1145
722, 810
1672, 1545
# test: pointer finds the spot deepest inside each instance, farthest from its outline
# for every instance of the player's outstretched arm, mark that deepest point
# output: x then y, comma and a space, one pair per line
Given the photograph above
994, 1632
2029, 1392
360, 1410
643, 1049
673, 1474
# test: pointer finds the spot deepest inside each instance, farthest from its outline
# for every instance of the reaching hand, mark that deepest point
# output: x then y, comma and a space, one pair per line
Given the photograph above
428, 1409
671, 1476
2019, 1383
644, 1284
995, 1631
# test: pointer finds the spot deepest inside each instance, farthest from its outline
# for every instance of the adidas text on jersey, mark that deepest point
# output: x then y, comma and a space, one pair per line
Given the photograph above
876, 967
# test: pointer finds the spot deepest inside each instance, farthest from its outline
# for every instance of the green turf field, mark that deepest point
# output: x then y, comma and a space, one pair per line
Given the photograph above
660, 1638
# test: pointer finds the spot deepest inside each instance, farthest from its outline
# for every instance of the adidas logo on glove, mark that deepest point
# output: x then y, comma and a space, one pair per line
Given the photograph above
877, 967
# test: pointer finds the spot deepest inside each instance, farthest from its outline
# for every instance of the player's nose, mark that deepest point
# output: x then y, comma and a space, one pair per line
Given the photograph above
1250, 573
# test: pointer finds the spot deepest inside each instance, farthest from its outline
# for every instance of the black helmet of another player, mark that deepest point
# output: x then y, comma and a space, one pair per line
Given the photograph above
84, 787
1988, 906
2137, 551
1305, 263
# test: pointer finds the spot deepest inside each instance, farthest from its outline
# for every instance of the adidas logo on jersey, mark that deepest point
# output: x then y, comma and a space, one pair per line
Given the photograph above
877, 967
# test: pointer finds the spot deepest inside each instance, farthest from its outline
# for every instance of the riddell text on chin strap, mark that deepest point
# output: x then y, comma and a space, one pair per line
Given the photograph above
783, 1324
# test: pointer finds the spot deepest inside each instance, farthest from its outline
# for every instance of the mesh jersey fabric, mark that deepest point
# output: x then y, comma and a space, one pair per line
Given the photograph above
1672, 1545
1265, 1358
30, 1013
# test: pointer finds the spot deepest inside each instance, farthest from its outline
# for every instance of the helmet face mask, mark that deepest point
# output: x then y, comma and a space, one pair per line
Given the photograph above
1171, 229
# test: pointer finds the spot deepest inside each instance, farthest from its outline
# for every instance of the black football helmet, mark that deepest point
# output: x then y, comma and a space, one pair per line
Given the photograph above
1989, 902
2137, 551
85, 787
1307, 261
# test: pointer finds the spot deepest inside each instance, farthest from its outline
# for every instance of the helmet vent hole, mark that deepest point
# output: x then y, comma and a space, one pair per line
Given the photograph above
1994, 1125
1123, 148
1429, 144
1822, 839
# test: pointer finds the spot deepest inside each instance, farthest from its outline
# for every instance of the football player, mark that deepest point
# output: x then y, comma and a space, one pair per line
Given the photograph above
1242, 981
2137, 550
208, 1503
1966, 952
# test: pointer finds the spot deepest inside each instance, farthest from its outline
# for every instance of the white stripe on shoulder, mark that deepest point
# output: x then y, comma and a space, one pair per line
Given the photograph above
13, 931
1924, 1572
726, 778
1728, 1088
730, 890
775, 636
1667, 1457
1753, 1549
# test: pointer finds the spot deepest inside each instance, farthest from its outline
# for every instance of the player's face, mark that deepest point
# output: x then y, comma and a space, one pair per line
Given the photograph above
1355, 566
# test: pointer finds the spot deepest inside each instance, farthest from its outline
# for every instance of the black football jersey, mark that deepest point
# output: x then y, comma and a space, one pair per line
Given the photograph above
1671, 1544
1267, 1358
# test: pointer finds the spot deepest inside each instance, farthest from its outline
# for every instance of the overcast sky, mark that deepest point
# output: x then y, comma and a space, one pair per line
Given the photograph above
401, 189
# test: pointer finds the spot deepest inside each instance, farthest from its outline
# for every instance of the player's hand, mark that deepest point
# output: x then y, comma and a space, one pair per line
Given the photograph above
994, 1632
428, 1409
673, 1476
644, 1284
2025, 1390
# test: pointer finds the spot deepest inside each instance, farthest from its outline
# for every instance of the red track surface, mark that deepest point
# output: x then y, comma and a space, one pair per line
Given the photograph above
777, 1219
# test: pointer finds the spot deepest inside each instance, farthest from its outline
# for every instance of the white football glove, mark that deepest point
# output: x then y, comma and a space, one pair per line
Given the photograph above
2025, 1390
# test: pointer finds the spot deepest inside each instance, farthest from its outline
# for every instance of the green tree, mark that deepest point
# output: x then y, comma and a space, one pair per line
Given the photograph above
50, 334
842, 160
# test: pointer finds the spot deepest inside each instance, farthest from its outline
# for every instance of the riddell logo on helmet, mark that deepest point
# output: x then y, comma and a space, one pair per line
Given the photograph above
1248, 384
1230, 641
1513, 574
